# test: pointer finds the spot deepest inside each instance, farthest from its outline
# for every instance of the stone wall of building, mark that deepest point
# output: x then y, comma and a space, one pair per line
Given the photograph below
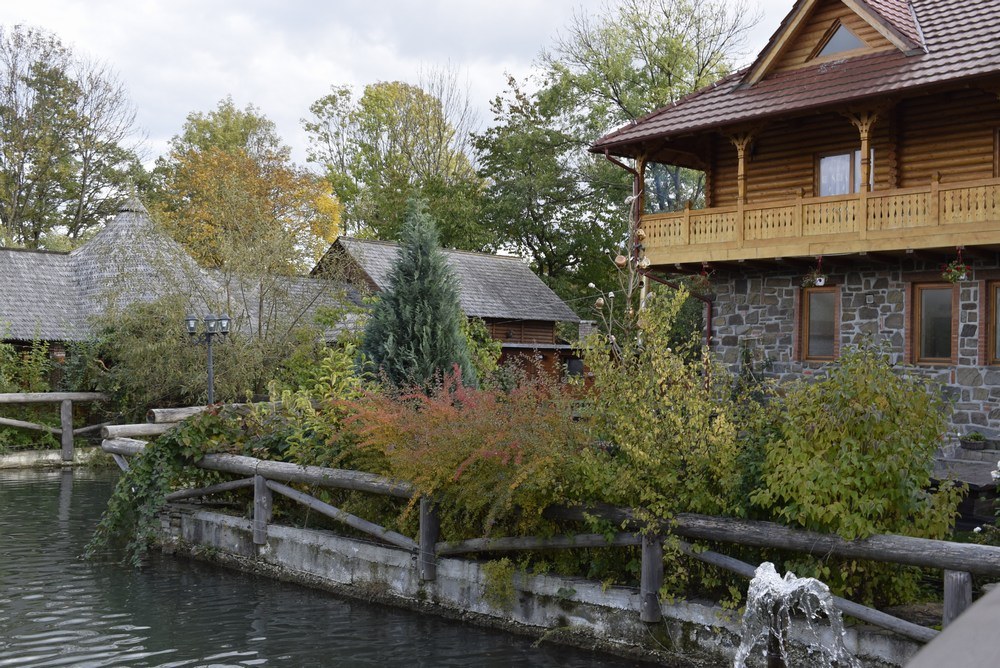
756, 320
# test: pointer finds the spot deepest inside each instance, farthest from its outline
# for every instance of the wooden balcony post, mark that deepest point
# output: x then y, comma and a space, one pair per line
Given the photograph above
864, 121
934, 200
798, 211
686, 233
742, 143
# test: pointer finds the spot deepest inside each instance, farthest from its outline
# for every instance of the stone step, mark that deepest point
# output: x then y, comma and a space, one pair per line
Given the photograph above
976, 455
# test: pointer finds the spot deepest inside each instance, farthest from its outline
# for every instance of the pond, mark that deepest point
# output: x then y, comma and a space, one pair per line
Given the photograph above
59, 610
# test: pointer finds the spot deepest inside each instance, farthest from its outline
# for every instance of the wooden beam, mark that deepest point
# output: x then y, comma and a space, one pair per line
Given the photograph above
957, 595
66, 429
651, 579
856, 610
518, 543
227, 486
131, 430
370, 528
976, 559
430, 528
21, 424
248, 466
48, 397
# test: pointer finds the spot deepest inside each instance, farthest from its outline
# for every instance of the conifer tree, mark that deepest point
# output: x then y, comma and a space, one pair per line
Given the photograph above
414, 335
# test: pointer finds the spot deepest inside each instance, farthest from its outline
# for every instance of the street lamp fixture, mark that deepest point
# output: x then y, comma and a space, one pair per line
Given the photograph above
213, 325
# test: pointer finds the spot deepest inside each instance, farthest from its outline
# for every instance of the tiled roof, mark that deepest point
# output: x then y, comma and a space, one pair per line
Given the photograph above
53, 296
898, 16
961, 37
490, 286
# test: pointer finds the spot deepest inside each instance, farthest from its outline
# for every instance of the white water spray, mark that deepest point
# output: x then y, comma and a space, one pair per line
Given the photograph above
771, 603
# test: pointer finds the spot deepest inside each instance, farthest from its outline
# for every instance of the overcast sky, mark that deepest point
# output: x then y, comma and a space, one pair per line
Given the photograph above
179, 56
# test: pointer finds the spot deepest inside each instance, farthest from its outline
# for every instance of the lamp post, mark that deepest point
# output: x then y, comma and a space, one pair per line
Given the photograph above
213, 325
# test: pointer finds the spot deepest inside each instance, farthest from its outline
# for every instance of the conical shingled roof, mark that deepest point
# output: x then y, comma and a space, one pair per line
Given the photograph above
130, 260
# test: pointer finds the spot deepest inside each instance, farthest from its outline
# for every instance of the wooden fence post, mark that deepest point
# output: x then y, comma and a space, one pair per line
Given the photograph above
262, 504
66, 421
430, 527
651, 579
957, 595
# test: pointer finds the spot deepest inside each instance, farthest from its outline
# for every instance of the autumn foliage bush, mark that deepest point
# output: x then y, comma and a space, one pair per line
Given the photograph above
491, 459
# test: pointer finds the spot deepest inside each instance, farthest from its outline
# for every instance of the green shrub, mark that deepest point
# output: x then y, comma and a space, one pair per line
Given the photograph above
493, 460
853, 455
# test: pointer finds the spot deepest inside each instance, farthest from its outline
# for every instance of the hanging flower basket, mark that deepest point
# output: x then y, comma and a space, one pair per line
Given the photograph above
700, 283
956, 271
814, 279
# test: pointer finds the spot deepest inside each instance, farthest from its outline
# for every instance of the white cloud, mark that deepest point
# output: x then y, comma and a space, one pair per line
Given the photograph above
180, 56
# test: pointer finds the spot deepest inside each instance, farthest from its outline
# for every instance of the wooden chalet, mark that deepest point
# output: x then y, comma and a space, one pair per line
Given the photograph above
860, 146
519, 310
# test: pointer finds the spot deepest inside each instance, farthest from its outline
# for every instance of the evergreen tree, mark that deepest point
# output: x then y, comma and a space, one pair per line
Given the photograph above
414, 335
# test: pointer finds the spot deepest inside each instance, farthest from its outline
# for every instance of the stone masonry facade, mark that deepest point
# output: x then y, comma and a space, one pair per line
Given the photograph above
756, 318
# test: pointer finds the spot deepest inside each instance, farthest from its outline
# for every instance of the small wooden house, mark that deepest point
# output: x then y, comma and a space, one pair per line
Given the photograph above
860, 148
519, 310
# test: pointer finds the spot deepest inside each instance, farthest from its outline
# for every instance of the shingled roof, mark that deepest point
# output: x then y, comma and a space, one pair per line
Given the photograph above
53, 296
490, 286
960, 42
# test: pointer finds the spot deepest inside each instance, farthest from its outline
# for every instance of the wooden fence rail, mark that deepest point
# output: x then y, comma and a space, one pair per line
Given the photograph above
957, 560
65, 429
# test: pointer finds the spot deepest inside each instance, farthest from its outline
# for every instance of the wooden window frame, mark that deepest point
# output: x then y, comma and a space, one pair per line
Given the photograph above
991, 313
855, 165
804, 324
836, 55
915, 330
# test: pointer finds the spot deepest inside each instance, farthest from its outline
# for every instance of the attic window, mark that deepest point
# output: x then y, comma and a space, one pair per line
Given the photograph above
839, 39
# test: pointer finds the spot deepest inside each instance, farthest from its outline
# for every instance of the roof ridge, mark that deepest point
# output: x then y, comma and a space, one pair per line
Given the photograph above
445, 250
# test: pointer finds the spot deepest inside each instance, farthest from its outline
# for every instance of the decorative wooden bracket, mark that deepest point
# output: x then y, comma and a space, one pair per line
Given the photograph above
742, 142
864, 121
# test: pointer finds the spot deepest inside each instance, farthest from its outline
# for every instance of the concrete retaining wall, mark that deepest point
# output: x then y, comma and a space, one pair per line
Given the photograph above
573, 611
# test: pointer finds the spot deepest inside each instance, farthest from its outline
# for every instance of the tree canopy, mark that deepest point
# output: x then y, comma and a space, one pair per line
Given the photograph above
394, 142
66, 160
229, 192
552, 201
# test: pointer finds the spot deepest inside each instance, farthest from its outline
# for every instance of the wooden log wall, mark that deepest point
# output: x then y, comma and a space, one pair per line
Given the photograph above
522, 331
952, 133
783, 157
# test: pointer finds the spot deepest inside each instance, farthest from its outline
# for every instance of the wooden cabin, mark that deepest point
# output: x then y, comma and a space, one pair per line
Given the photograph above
519, 310
860, 147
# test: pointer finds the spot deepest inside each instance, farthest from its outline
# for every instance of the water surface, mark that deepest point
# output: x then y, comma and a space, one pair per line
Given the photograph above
59, 610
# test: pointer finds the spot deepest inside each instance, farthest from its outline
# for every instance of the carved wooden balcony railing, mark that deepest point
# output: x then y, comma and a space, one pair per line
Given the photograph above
933, 216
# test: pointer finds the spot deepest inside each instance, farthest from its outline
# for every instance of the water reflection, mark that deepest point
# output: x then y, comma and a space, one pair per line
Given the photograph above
58, 610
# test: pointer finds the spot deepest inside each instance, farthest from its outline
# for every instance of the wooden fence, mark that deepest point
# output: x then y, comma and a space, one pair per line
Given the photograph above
65, 429
958, 560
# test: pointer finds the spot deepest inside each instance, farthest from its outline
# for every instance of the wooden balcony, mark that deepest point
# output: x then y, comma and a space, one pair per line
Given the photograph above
933, 216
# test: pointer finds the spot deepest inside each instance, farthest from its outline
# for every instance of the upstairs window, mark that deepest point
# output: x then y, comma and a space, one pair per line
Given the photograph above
840, 40
840, 173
